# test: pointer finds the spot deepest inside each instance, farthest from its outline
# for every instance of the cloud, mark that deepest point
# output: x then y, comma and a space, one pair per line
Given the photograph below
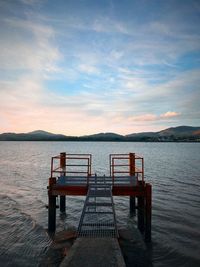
31, 2
91, 73
154, 117
36, 53
106, 25
169, 114
144, 118
126, 42
88, 69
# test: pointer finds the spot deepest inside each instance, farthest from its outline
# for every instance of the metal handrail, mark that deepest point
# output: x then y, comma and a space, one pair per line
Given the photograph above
63, 169
114, 167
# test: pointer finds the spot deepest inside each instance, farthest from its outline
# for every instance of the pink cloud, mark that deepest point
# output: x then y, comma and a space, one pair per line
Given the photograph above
169, 114
144, 117
153, 117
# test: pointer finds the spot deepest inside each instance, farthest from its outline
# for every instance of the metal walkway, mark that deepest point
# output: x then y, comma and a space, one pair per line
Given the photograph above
98, 216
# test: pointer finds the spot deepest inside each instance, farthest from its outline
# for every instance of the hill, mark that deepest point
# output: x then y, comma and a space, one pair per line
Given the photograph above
177, 134
104, 137
38, 135
180, 131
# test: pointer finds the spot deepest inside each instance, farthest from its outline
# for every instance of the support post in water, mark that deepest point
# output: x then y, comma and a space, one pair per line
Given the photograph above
148, 211
132, 173
62, 166
141, 214
141, 208
51, 207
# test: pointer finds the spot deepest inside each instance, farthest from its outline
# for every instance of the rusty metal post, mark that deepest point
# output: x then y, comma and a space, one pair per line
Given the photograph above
148, 212
51, 207
62, 160
132, 164
63, 166
132, 173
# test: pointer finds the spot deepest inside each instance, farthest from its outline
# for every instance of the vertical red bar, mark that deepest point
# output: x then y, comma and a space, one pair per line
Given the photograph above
51, 167
113, 170
110, 163
132, 204
90, 165
62, 160
143, 169
88, 170
132, 164
63, 167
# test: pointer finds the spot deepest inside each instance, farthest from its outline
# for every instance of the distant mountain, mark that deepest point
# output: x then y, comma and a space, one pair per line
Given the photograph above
104, 137
180, 131
178, 134
41, 132
143, 134
38, 135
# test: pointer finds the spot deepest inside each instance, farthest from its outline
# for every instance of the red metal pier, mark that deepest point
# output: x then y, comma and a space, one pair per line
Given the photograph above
71, 174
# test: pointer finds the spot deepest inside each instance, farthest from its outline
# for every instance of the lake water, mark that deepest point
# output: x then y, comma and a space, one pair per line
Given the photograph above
172, 168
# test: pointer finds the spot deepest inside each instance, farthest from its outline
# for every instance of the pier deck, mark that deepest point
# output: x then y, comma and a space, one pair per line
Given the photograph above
108, 180
79, 185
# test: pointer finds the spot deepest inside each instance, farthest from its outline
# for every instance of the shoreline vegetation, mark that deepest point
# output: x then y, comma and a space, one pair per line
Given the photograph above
173, 134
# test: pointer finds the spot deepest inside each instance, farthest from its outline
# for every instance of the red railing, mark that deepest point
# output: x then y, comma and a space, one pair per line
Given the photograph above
127, 164
64, 164
80, 164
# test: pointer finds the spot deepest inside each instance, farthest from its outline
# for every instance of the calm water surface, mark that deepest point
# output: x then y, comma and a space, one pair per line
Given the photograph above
172, 168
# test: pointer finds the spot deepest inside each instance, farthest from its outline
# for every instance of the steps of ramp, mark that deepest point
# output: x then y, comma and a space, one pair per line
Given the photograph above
98, 216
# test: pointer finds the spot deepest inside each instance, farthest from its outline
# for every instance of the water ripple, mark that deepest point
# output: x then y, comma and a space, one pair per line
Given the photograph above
172, 168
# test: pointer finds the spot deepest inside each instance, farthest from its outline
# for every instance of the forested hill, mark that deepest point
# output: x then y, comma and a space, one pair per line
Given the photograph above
180, 133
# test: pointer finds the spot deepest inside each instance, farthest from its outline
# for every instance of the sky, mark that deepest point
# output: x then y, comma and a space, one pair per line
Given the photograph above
80, 67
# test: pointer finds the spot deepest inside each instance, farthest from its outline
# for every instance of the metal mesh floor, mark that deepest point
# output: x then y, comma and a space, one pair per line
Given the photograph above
95, 180
98, 216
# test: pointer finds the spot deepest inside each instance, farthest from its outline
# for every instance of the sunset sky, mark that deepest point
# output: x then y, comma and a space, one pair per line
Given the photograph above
86, 66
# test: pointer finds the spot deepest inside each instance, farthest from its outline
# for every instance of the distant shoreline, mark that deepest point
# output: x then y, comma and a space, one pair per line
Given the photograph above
115, 141
173, 134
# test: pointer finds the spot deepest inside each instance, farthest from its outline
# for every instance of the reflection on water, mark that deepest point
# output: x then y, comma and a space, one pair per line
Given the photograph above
172, 168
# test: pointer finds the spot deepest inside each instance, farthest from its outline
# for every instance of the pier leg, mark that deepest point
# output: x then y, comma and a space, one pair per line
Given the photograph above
51, 206
132, 205
141, 214
63, 167
52, 214
148, 212
62, 204
132, 173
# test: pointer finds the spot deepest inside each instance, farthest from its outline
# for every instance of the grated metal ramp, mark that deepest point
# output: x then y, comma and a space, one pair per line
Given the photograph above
98, 216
